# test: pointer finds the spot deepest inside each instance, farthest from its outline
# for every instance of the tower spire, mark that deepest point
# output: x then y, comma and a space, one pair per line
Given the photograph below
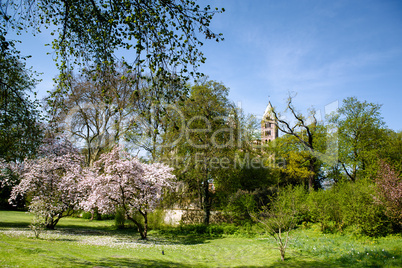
269, 130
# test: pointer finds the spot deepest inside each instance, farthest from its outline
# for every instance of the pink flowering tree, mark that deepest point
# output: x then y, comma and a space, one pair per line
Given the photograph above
389, 189
52, 181
118, 180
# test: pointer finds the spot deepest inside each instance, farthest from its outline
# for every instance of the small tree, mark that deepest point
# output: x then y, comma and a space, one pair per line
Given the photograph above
389, 189
39, 219
119, 180
278, 219
52, 180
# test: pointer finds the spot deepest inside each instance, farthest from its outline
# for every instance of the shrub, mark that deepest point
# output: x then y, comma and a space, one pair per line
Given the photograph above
349, 205
359, 207
324, 209
239, 206
156, 219
279, 218
120, 218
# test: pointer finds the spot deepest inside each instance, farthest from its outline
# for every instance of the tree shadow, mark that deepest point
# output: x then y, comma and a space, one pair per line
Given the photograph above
14, 224
121, 262
126, 235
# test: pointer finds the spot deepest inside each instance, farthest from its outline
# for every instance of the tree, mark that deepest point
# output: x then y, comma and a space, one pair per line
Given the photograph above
20, 119
152, 115
279, 218
161, 35
201, 138
361, 135
93, 110
391, 151
119, 180
306, 135
52, 181
389, 189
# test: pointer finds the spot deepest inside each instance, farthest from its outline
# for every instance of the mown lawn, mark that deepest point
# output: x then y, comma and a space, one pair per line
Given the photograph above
83, 243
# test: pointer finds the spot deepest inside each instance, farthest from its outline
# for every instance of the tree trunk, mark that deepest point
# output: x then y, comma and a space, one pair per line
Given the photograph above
311, 180
207, 202
282, 254
145, 229
141, 229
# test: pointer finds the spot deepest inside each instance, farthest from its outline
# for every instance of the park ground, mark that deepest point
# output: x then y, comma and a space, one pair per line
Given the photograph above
78, 242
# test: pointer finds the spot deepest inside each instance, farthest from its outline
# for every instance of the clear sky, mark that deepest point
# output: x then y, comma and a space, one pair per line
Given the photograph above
324, 51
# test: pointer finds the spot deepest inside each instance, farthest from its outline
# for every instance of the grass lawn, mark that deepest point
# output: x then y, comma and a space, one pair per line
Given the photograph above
83, 243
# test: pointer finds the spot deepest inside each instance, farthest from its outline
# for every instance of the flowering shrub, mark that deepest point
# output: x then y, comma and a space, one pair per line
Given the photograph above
389, 189
52, 180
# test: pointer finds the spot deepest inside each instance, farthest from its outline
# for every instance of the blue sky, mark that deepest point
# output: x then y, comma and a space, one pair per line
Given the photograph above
324, 51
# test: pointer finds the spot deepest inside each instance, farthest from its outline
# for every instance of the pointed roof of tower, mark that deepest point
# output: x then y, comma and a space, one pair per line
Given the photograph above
268, 112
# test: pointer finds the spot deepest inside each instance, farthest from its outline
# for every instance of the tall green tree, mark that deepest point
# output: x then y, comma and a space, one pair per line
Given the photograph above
361, 132
392, 149
20, 118
204, 134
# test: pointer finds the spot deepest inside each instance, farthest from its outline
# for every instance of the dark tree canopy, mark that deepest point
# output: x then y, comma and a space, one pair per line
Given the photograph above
20, 130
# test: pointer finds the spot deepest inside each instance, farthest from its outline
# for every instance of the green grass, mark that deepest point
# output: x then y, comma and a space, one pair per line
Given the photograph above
83, 243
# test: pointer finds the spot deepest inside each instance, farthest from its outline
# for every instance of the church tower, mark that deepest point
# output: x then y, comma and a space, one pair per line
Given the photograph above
269, 131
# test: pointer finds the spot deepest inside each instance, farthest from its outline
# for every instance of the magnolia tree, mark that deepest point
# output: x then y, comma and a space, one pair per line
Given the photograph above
118, 180
52, 181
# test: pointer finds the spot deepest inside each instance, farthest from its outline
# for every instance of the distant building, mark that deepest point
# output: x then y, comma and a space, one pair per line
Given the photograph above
269, 130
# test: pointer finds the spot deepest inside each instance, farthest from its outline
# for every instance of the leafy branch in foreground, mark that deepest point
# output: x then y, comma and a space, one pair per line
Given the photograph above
161, 36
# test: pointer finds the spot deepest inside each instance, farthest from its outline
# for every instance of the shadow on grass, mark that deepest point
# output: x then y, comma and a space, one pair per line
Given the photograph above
121, 262
14, 224
165, 237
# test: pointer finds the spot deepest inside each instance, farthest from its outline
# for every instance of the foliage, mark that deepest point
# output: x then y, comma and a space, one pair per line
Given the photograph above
153, 108
201, 136
161, 36
361, 135
389, 189
95, 108
324, 208
120, 180
37, 208
10, 177
52, 181
349, 205
391, 151
20, 119
120, 218
359, 208
279, 218
239, 205
307, 136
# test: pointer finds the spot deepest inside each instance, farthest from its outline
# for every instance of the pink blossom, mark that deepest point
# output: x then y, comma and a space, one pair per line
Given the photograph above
120, 180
